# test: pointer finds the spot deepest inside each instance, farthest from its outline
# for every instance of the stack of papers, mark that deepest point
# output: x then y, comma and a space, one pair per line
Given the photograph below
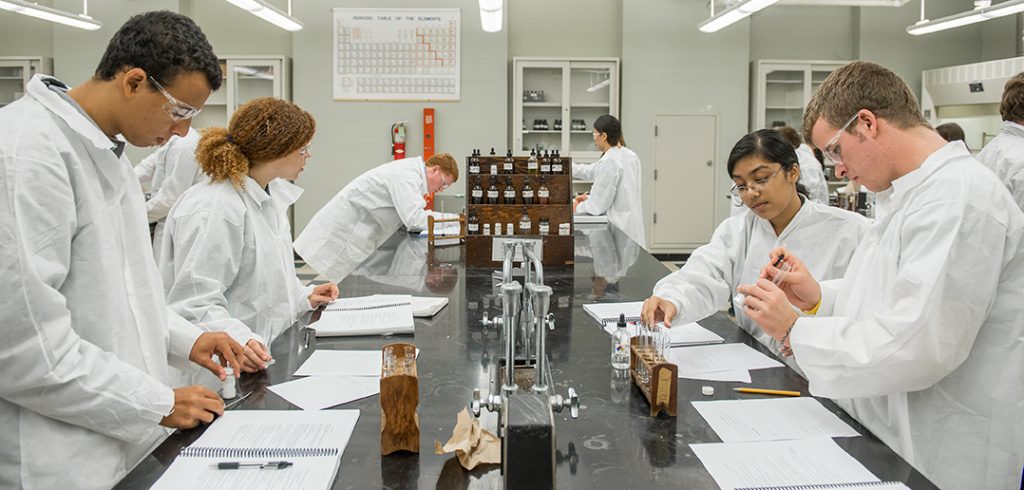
426, 307
312, 444
725, 362
379, 314
680, 335
780, 464
772, 419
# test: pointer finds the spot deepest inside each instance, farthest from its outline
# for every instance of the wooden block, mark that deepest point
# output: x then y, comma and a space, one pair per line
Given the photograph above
558, 250
399, 399
662, 386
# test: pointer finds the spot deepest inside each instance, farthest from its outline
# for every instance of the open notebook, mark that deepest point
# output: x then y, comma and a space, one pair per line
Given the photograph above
366, 315
609, 312
312, 442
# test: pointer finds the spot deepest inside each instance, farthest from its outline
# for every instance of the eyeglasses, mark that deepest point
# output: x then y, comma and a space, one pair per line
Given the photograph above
831, 149
445, 183
177, 110
304, 151
758, 185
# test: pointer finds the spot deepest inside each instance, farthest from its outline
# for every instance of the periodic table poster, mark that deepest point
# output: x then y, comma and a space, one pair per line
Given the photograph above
396, 54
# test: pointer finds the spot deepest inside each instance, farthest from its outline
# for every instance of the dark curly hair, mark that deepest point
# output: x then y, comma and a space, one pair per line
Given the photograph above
164, 44
262, 130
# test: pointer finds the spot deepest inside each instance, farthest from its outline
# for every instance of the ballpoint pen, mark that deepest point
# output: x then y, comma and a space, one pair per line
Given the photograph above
272, 465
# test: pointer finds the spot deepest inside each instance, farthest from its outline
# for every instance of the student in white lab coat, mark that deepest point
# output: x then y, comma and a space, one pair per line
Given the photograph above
812, 176
777, 211
168, 172
370, 209
616, 176
1005, 154
922, 340
226, 261
86, 335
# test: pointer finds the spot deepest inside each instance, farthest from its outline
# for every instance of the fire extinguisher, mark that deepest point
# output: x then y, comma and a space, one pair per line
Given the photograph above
398, 140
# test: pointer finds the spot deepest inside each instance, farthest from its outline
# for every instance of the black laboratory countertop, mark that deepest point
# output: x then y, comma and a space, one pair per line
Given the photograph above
613, 443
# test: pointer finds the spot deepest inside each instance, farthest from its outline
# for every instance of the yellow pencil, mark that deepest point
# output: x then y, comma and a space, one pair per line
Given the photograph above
763, 391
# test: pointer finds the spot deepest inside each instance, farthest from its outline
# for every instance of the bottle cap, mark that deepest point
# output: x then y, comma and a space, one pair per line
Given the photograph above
228, 370
622, 321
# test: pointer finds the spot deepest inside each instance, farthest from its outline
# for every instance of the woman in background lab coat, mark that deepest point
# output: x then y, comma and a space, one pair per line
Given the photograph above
168, 173
227, 259
766, 171
616, 176
371, 208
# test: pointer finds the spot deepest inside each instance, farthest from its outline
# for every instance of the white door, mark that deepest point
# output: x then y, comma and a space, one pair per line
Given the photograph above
251, 79
685, 151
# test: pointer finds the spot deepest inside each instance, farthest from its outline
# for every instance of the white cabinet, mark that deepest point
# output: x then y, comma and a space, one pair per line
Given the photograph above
566, 95
245, 78
684, 181
16, 71
782, 88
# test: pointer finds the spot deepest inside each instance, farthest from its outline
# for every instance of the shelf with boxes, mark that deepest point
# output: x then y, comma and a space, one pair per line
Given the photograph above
519, 197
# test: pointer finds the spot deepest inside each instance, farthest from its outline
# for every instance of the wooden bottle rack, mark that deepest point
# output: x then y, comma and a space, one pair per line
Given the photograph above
557, 249
399, 399
662, 386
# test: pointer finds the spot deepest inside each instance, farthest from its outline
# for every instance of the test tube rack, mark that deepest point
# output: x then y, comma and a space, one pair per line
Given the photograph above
660, 384
436, 239
399, 400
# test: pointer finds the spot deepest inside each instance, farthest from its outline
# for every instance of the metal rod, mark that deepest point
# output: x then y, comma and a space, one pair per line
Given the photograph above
541, 298
510, 292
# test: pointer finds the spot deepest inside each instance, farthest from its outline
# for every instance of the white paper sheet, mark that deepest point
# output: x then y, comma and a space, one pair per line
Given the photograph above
772, 419
780, 463
366, 315
427, 306
342, 363
688, 334
732, 375
716, 358
320, 392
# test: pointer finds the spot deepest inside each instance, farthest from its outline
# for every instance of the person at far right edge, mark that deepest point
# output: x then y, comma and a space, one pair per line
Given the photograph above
1005, 154
922, 341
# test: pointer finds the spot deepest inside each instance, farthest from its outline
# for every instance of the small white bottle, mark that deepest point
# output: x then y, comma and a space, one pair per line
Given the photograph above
620, 345
227, 387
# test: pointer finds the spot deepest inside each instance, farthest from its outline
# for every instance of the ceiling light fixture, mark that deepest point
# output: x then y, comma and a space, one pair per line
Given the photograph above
81, 21
979, 14
737, 12
490, 15
269, 13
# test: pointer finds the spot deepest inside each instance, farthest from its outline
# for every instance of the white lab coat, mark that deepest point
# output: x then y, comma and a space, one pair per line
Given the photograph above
1005, 156
168, 172
922, 341
812, 176
227, 262
824, 237
85, 330
363, 214
616, 191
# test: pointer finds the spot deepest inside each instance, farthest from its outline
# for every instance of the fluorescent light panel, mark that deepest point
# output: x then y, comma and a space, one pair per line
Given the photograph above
966, 18
269, 13
734, 14
490, 15
80, 21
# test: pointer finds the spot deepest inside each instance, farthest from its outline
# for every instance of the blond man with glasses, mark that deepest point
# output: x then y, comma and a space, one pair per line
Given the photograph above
922, 340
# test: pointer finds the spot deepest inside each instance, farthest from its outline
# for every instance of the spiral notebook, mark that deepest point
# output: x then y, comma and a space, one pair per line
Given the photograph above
312, 442
379, 314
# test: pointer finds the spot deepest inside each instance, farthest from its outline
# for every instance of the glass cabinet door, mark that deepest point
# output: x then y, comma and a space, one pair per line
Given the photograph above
542, 99
784, 97
251, 79
593, 89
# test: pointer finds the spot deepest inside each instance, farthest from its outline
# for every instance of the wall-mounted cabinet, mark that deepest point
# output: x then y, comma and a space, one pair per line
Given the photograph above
16, 71
245, 78
555, 102
782, 88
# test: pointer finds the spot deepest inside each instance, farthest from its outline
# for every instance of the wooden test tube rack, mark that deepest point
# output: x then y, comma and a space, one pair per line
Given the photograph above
662, 386
399, 399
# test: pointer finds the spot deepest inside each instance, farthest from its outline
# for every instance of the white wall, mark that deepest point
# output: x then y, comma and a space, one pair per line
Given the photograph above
802, 33
353, 137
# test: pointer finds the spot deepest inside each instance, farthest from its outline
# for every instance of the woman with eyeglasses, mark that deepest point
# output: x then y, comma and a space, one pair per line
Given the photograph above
226, 258
766, 171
